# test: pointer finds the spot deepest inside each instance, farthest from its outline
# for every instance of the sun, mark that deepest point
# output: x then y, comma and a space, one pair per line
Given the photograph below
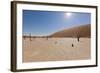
68, 14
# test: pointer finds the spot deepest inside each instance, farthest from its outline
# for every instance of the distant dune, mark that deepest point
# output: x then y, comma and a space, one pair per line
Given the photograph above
79, 31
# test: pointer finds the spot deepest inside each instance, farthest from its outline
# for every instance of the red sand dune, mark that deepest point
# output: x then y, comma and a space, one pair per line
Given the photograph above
79, 31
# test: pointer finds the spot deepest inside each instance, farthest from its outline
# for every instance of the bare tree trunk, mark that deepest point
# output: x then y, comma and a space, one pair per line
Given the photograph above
78, 39
30, 37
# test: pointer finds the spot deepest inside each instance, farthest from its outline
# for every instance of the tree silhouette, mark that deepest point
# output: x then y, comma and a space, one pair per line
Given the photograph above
30, 37
78, 37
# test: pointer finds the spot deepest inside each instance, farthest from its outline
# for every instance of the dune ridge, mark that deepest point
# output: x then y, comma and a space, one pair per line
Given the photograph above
79, 31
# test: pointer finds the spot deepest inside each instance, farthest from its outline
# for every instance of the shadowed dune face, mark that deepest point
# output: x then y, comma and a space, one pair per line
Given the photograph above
79, 31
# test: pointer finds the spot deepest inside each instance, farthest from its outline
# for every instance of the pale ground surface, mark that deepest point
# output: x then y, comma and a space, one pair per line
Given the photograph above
55, 49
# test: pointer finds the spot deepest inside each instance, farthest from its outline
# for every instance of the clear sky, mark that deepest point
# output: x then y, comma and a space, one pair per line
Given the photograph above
43, 23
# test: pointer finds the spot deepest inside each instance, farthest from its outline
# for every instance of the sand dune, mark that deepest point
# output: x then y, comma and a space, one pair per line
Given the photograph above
79, 31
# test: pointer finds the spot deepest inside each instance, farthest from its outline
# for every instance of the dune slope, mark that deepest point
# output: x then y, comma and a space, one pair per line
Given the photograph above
79, 31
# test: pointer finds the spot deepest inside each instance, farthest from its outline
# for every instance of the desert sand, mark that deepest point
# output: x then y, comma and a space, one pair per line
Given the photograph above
55, 49
68, 44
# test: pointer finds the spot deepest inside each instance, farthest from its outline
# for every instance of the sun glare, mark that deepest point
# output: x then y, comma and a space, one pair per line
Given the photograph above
68, 14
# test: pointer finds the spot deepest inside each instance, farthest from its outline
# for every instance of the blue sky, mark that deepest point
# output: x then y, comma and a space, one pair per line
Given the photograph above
44, 23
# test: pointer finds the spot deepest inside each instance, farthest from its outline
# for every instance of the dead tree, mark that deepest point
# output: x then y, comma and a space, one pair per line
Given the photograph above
30, 37
78, 38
